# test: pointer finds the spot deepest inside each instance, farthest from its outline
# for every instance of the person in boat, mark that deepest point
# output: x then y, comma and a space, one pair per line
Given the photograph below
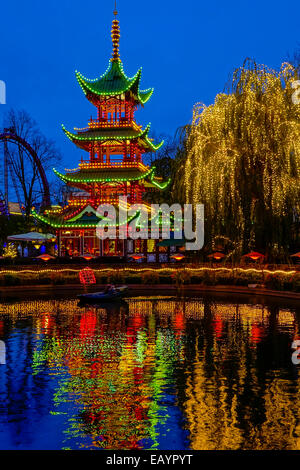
110, 289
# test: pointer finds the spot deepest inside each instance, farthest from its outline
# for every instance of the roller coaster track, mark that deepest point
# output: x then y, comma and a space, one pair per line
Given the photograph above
9, 135
3, 206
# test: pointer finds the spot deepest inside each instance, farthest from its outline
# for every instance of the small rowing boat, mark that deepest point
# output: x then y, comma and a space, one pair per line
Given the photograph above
106, 295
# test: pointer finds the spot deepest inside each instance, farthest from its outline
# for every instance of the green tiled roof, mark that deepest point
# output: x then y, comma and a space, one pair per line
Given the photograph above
106, 134
115, 82
105, 175
110, 175
82, 221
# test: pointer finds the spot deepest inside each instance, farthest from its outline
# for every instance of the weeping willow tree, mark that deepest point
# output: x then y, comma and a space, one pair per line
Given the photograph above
243, 159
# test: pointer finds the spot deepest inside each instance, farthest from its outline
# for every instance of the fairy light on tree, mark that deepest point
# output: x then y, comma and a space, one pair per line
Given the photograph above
243, 158
10, 251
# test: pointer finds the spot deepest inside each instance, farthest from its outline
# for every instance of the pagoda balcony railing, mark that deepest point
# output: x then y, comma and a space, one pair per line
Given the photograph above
84, 164
108, 124
96, 165
93, 165
82, 200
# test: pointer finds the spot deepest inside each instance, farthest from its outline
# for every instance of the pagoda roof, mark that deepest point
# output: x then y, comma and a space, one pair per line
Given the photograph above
114, 82
115, 134
106, 175
85, 218
86, 176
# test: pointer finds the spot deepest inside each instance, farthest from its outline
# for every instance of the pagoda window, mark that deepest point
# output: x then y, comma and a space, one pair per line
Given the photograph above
106, 152
113, 247
151, 248
92, 154
122, 114
132, 149
91, 244
70, 246
138, 246
129, 246
100, 154
104, 114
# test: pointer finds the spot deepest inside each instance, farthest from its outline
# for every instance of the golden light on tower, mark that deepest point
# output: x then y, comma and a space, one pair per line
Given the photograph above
115, 35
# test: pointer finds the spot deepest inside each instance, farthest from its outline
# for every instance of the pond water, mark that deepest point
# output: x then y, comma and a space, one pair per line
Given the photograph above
149, 373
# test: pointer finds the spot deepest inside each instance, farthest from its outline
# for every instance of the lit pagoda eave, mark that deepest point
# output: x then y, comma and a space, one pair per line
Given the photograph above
84, 139
114, 82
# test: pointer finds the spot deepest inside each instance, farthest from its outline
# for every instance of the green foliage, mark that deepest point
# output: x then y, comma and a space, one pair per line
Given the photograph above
295, 283
116, 277
13, 225
182, 277
150, 277
206, 277
102, 277
11, 280
274, 282
45, 279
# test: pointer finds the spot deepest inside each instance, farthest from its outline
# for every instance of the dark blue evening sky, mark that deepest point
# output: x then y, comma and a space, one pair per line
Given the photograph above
187, 49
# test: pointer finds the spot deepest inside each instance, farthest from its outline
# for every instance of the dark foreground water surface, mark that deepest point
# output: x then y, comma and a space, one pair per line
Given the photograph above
149, 374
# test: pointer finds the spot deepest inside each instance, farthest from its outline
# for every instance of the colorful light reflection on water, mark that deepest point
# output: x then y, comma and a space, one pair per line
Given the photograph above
148, 374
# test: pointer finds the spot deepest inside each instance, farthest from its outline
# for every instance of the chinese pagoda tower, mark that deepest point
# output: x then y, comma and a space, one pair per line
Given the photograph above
115, 145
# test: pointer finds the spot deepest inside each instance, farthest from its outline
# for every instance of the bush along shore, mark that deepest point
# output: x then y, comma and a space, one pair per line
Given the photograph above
277, 280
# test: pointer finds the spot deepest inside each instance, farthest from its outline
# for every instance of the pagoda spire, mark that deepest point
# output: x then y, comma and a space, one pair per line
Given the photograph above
115, 35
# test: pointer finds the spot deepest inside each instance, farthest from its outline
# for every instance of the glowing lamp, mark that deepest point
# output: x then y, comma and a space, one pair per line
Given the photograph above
88, 257
177, 257
217, 255
45, 257
254, 255
137, 257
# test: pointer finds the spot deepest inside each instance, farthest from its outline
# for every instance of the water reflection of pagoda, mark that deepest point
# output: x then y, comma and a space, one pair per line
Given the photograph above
117, 369
207, 374
115, 144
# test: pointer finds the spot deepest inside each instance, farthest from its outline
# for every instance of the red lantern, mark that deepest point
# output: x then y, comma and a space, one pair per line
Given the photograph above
87, 276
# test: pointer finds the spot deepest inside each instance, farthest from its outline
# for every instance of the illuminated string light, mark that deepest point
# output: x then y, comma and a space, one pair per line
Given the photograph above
159, 270
246, 147
110, 138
